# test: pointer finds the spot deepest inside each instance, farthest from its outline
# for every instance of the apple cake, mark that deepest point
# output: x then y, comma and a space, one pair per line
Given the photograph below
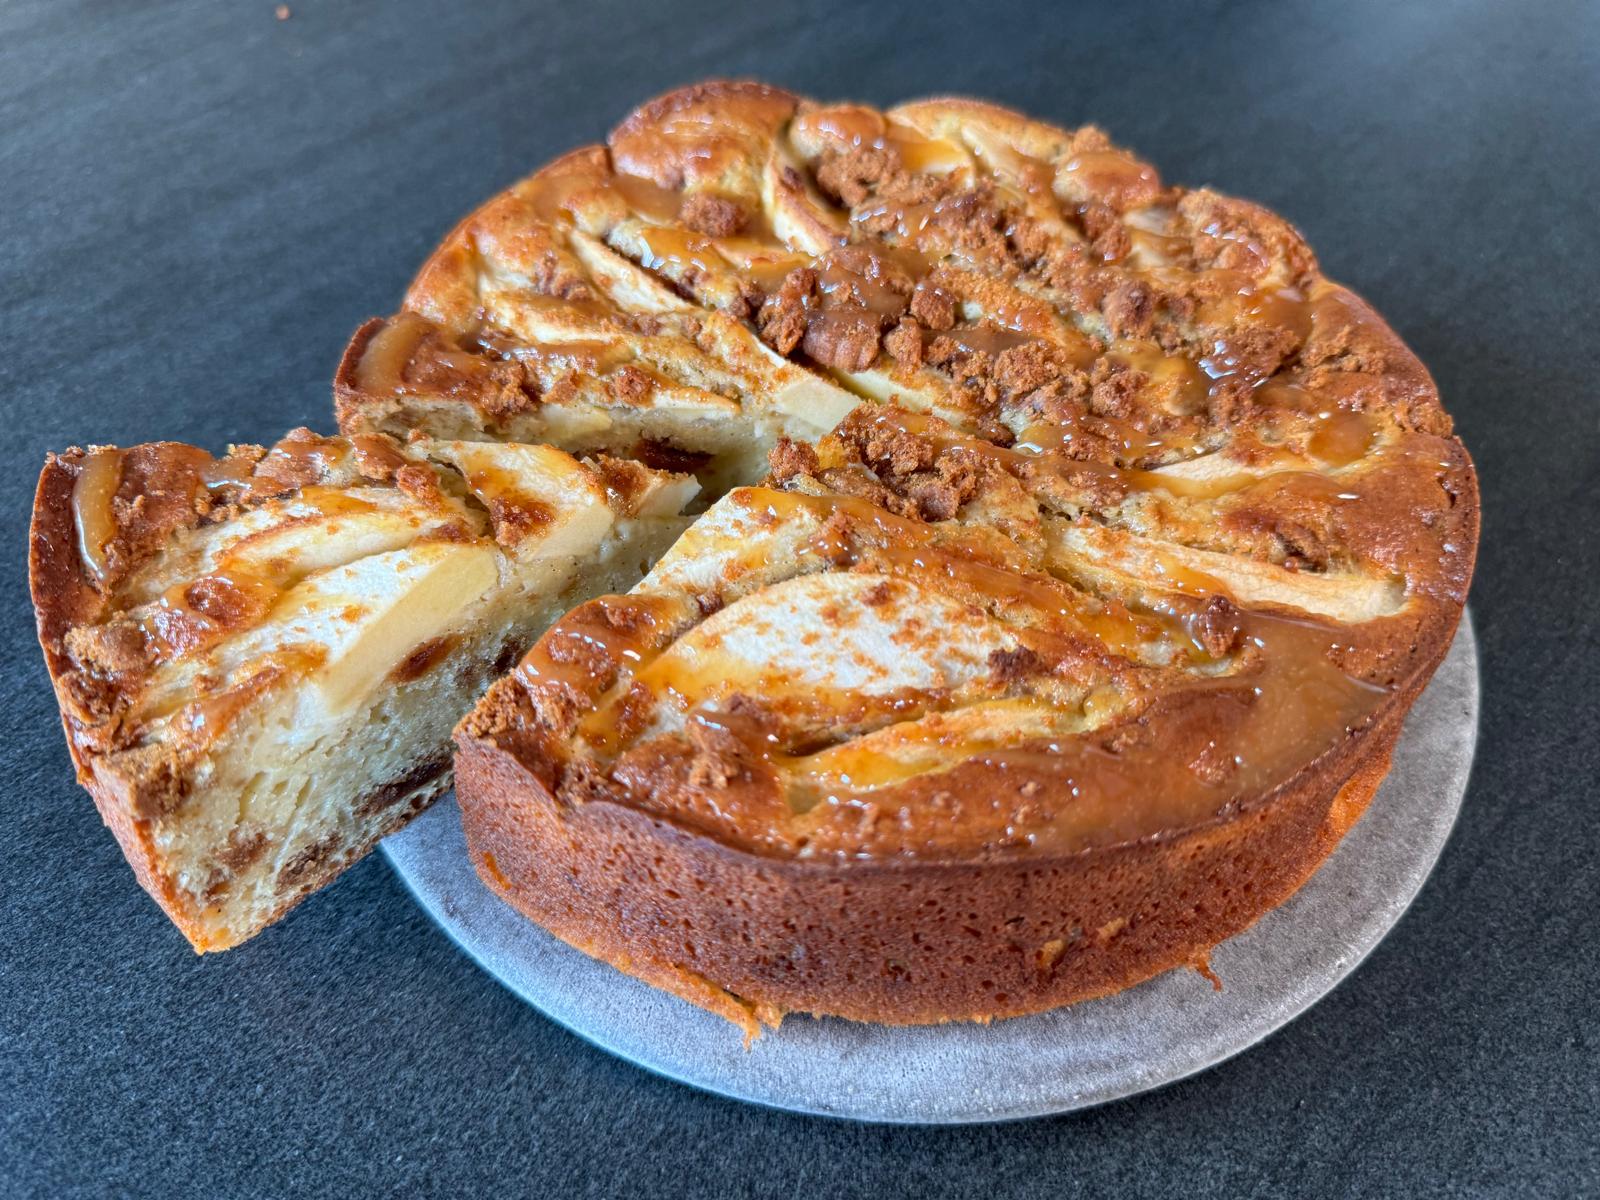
259, 657
1067, 551
1072, 651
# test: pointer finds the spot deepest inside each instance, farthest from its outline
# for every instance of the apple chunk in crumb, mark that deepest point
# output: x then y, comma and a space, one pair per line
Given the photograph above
544, 503
323, 528
399, 601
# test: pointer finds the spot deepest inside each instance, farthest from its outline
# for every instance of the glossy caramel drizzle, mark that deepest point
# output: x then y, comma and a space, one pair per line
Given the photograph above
382, 369
587, 356
587, 648
1110, 172
1341, 438
852, 279
868, 276
238, 592
92, 512
1262, 725
850, 275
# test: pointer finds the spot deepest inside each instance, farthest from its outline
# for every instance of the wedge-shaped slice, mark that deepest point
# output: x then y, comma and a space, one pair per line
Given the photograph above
259, 658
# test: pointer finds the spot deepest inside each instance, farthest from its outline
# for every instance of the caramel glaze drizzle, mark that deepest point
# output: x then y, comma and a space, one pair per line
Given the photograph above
235, 595
241, 589
93, 516
382, 368
1198, 737
1200, 750
851, 277
409, 354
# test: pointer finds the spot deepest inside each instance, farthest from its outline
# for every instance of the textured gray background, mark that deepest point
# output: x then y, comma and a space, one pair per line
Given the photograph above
198, 203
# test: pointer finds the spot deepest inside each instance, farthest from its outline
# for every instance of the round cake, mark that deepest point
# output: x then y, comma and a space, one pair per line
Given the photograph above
1073, 554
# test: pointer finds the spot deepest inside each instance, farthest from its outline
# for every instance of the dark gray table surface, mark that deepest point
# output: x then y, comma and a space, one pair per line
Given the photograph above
198, 203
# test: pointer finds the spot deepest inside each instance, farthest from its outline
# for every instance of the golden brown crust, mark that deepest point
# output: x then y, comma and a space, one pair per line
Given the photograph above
62, 596
897, 943
697, 135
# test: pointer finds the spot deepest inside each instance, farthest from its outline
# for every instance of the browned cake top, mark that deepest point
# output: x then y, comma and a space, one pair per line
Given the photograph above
1165, 517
